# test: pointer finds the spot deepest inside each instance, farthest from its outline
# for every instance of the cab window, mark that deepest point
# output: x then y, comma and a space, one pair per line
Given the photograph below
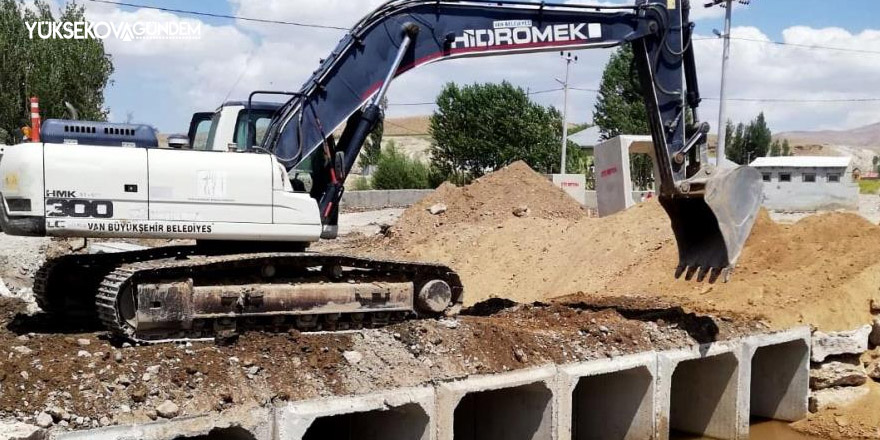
257, 131
212, 132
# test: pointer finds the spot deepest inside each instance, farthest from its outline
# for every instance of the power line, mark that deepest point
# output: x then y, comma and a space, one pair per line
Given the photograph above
771, 100
234, 17
802, 46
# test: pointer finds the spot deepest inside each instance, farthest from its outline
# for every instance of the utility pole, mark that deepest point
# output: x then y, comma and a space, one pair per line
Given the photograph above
725, 58
569, 58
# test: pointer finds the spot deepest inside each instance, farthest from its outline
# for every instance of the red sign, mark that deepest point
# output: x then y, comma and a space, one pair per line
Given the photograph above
609, 171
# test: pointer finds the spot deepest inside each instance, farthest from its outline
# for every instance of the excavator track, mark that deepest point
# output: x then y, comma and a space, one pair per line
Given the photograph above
178, 293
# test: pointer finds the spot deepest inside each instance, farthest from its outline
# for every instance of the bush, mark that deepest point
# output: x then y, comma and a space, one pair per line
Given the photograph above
360, 183
395, 170
869, 186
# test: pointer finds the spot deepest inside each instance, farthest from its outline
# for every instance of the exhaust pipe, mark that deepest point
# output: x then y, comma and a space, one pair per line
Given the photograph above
711, 226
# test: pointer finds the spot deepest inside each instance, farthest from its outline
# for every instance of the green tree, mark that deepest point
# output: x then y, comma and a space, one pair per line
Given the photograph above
786, 148
876, 162
620, 109
482, 127
395, 170
776, 148
55, 70
749, 141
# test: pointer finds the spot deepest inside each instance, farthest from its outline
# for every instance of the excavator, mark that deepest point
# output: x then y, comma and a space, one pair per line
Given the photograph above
253, 209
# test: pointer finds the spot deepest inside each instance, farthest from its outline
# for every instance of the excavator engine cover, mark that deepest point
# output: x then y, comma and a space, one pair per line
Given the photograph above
711, 230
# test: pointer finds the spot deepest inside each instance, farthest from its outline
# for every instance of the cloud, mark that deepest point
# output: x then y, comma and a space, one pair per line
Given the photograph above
787, 72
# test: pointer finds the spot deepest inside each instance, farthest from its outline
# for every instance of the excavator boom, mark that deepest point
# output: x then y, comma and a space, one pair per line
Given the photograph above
711, 210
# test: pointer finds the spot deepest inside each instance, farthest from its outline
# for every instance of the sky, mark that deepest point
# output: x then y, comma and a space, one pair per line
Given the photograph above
163, 82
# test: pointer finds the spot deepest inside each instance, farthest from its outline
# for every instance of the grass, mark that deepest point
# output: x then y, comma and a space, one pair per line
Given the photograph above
869, 186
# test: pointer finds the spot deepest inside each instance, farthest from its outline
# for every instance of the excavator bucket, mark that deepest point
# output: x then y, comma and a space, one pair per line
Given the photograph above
712, 230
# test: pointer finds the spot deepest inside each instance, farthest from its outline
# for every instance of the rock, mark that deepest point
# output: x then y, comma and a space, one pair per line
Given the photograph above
44, 420
233, 360
153, 369
152, 414
520, 355
167, 409
833, 343
20, 349
82, 342
25, 375
875, 305
874, 337
873, 369
4, 291
117, 356
123, 380
146, 377
837, 374
83, 354
437, 208
836, 397
353, 357
104, 421
521, 211
12, 430
57, 413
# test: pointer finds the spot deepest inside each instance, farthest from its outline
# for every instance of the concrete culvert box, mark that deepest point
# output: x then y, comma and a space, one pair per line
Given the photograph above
616, 405
518, 413
406, 422
780, 381
233, 433
704, 396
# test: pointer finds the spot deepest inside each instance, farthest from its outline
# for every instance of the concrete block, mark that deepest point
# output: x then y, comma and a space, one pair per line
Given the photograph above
699, 392
832, 398
506, 406
778, 367
837, 374
254, 424
403, 414
833, 343
607, 399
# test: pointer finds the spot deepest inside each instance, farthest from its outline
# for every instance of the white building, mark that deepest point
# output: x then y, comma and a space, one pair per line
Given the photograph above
808, 183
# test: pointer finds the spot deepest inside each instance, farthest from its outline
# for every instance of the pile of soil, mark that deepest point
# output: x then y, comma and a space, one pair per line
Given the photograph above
515, 191
822, 270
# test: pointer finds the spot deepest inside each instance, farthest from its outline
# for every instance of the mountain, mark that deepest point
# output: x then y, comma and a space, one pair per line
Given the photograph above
864, 137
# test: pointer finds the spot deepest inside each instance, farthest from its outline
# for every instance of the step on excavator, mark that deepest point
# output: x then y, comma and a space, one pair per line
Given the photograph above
254, 208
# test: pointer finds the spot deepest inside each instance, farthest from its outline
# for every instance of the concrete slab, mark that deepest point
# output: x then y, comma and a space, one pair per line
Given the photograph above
404, 414
507, 406
255, 424
777, 366
607, 399
698, 391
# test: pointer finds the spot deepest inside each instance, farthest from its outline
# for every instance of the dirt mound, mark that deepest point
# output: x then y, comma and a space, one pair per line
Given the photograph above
822, 270
515, 191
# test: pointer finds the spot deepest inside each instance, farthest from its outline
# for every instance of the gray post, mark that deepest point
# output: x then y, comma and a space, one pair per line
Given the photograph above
568, 59
722, 110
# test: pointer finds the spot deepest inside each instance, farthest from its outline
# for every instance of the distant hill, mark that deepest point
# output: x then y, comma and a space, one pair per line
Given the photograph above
863, 137
408, 126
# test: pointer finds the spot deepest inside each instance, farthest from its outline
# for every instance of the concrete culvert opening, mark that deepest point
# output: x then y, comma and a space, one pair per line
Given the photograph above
233, 433
519, 413
703, 397
617, 405
407, 422
780, 381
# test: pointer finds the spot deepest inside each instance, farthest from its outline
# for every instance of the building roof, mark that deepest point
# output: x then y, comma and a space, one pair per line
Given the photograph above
588, 138
802, 162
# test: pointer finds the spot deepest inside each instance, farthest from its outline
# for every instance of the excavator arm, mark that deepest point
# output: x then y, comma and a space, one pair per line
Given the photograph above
712, 210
